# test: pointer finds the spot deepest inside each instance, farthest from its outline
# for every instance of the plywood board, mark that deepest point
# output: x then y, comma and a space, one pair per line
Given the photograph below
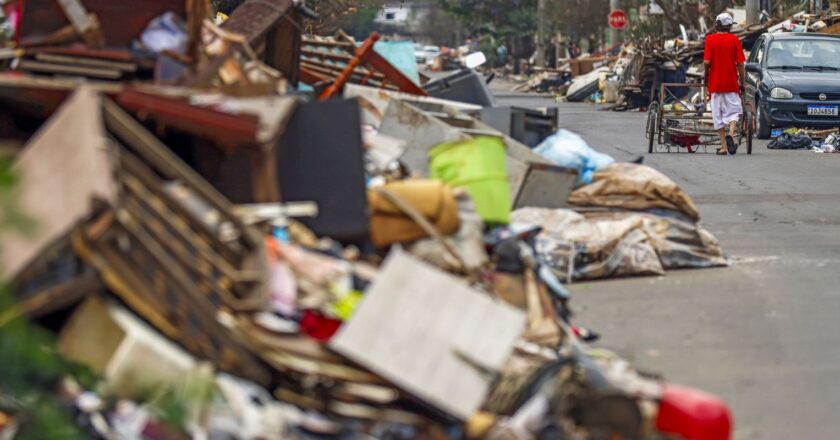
430, 334
62, 170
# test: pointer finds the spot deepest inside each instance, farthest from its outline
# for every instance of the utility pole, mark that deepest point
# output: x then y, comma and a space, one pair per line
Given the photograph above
615, 34
541, 33
752, 11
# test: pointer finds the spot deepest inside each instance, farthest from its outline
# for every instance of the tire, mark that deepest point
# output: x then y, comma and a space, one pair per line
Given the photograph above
763, 130
652, 124
749, 122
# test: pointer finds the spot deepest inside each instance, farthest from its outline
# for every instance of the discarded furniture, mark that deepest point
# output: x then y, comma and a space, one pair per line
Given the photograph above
464, 85
159, 237
528, 126
273, 29
546, 186
333, 62
120, 25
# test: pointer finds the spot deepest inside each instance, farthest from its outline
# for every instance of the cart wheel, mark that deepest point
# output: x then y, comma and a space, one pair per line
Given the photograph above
652, 124
749, 121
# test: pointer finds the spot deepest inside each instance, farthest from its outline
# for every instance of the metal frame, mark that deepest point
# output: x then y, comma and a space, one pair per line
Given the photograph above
666, 125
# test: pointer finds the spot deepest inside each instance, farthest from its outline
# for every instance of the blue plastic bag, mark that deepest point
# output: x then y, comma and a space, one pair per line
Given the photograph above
165, 32
567, 149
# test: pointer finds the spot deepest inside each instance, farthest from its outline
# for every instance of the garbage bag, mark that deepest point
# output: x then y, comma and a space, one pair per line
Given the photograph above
610, 244
679, 242
567, 149
634, 187
592, 249
787, 141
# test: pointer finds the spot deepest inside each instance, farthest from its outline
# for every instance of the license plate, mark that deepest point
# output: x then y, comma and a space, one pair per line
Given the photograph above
822, 110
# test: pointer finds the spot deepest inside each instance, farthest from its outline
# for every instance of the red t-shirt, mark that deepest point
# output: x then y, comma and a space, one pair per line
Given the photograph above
725, 53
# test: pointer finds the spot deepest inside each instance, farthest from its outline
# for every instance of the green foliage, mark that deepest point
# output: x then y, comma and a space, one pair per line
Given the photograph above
30, 370
360, 24
648, 28
499, 18
11, 218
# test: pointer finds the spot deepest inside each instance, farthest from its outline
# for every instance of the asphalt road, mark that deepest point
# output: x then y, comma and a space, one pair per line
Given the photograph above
764, 333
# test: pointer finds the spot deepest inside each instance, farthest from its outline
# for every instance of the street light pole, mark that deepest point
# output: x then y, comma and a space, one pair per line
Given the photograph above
541, 33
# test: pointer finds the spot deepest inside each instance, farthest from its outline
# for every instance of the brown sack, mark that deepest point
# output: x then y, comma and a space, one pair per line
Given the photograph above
634, 187
432, 199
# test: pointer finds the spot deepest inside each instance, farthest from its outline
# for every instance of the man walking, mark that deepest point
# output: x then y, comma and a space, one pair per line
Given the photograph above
723, 58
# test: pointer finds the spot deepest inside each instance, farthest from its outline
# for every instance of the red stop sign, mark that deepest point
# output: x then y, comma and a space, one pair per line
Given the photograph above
618, 19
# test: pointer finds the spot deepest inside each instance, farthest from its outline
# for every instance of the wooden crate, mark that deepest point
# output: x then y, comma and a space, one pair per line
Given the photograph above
166, 260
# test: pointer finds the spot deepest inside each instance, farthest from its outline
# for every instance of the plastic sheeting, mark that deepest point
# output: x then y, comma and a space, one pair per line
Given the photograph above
567, 149
616, 244
571, 244
634, 187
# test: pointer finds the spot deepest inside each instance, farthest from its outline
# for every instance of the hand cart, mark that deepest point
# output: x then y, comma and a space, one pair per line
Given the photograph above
678, 120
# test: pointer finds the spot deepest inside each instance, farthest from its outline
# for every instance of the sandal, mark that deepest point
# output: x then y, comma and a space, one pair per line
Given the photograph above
721, 152
731, 145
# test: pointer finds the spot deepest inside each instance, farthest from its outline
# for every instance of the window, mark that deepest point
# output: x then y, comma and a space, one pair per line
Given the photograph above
804, 54
758, 53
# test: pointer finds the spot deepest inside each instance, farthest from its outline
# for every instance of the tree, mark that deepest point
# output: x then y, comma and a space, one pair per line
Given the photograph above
579, 19
510, 21
343, 14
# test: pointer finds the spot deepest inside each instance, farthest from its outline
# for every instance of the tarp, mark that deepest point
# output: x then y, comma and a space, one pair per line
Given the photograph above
634, 187
595, 248
608, 244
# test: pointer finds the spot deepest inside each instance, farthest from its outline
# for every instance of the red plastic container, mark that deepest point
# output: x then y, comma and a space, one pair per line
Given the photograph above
693, 415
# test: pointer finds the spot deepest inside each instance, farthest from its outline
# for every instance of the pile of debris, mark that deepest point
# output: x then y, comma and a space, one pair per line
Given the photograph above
632, 78
818, 141
231, 216
649, 63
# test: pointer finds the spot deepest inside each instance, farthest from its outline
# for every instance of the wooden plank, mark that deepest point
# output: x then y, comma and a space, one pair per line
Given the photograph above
85, 24
121, 22
64, 69
60, 296
210, 239
282, 47
159, 156
88, 62
214, 343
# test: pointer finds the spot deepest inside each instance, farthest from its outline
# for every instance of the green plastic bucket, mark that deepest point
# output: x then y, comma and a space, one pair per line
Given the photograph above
479, 166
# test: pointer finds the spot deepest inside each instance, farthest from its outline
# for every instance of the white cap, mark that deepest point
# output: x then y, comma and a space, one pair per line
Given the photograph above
725, 19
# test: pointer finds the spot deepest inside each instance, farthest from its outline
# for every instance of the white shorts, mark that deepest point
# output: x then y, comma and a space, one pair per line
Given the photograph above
726, 108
